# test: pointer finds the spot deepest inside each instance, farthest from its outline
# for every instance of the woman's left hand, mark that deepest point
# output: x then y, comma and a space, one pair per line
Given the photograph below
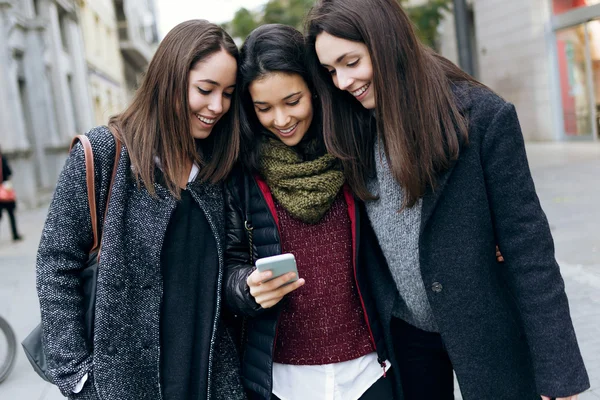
561, 398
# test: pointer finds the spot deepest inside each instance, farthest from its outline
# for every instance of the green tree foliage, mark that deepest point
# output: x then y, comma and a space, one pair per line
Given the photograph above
288, 12
243, 22
426, 17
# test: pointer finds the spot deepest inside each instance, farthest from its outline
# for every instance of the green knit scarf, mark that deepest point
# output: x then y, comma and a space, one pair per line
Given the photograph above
306, 189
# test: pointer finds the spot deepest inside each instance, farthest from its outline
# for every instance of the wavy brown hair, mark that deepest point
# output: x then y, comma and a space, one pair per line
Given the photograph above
416, 115
157, 122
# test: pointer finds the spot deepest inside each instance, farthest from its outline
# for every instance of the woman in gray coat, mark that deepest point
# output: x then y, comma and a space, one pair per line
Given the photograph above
440, 161
158, 331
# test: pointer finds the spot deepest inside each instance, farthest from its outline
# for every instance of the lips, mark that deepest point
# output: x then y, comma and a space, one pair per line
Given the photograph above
285, 132
207, 121
361, 90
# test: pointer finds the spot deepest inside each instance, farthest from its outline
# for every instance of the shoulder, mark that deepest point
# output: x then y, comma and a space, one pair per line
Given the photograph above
482, 107
102, 140
103, 146
477, 100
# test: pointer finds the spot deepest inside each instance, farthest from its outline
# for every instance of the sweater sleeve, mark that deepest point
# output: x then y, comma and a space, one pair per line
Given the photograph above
534, 277
62, 254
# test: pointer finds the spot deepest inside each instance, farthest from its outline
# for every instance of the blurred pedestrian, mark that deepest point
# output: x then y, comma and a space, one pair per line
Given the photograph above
157, 329
8, 200
440, 161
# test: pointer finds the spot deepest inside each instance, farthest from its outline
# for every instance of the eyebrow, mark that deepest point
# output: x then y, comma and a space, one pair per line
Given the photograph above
285, 98
210, 81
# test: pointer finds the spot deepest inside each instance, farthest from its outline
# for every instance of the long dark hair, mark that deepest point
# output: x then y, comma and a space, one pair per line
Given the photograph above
269, 49
416, 114
157, 122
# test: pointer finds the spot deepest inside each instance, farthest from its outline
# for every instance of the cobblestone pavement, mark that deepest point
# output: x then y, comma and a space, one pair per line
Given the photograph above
567, 178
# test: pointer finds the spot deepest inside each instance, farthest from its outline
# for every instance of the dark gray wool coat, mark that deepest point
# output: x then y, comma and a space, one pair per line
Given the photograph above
124, 362
506, 326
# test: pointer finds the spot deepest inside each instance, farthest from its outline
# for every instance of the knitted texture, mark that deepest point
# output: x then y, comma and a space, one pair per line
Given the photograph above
124, 359
323, 321
398, 235
305, 188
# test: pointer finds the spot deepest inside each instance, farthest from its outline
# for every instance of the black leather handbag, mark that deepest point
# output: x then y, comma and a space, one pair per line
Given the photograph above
32, 345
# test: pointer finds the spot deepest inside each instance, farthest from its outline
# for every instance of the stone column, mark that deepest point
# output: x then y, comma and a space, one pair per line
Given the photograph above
42, 117
60, 85
12, 129
81, 93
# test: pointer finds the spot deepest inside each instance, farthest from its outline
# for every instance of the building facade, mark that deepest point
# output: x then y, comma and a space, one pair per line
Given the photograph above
541, 55
106, 78
138, 37
44, 99
65, 66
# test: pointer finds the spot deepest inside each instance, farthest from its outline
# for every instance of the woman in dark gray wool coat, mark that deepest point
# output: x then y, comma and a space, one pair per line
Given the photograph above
158, 331
440, 160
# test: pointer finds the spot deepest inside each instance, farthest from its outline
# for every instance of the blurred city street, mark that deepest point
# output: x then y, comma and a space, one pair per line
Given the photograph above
567, 178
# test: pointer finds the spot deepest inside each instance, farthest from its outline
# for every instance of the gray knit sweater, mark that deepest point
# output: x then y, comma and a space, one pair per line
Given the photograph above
398, 235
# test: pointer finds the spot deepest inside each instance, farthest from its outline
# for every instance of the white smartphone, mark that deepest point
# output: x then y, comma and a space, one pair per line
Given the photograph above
279, 264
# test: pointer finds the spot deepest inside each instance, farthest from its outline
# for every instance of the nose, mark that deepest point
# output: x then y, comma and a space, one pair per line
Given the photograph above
216, 104
282, 119
343, 80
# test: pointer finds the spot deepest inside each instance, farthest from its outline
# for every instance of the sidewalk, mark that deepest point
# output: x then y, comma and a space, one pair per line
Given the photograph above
567, 178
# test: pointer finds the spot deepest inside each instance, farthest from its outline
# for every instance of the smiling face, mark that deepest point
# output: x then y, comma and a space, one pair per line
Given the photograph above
283, 105
349, 64
211, 81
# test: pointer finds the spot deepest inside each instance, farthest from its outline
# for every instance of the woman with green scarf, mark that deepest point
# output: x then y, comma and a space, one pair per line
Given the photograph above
318, 337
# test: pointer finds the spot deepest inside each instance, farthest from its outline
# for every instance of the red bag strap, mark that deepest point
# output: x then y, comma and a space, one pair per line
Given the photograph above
91, 181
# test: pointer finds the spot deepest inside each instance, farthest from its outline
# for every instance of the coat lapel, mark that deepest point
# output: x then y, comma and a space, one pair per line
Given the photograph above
432, 195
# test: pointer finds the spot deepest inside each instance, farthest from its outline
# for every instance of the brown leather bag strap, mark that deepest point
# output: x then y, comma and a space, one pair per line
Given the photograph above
91, 182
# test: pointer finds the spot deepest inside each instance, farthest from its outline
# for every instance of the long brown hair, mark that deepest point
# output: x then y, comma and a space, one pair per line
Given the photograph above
157, 122
416, 115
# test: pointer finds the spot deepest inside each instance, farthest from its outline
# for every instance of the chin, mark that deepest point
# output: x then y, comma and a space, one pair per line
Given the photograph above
201, 134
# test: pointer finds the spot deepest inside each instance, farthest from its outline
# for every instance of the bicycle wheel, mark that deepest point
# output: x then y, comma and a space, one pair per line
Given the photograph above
8, 349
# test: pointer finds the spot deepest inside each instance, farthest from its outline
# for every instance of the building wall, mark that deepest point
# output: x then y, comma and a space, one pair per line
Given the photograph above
44, 99
514, 58
106, 77
138, 37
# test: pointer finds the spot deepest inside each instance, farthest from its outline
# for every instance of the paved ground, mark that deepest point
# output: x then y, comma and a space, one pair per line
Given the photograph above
568, 182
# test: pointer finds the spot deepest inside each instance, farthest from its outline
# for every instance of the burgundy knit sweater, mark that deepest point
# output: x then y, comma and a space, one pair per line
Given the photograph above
322, 322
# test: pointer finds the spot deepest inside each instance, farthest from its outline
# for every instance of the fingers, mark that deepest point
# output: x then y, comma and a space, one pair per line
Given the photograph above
267, 294
271, 298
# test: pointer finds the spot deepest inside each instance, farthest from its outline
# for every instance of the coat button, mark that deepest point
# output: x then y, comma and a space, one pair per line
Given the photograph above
436, 287
119, 285
111, 350
146, 344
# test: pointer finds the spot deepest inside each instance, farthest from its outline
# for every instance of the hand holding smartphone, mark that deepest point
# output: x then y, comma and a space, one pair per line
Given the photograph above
279, 265
271, 280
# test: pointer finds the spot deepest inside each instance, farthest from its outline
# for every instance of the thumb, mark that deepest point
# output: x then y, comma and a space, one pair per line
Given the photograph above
545, 398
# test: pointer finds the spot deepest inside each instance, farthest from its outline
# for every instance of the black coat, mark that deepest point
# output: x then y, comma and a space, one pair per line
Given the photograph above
506, 326
6, 171
259, 337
